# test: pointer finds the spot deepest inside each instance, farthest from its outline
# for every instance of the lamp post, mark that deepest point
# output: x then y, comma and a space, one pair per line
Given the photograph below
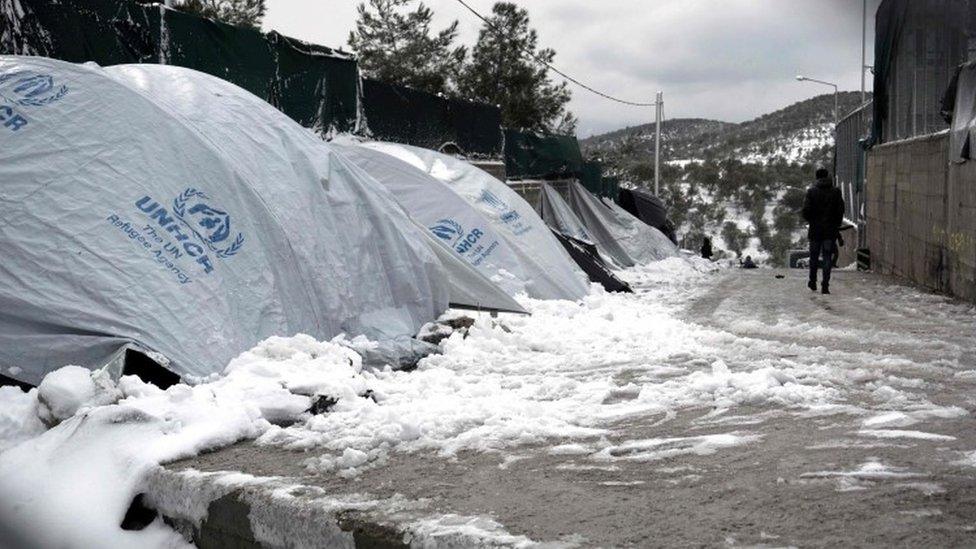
802, 78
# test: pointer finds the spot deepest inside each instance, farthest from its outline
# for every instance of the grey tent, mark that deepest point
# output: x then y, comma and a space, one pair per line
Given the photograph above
189, 234
454, 225
548, 270
619, 235
559, 215
574, 237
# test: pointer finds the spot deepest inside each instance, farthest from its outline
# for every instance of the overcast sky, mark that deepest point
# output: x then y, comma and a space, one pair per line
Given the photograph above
730, 60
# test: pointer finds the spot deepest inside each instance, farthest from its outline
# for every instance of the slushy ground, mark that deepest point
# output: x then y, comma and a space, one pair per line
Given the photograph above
728, 408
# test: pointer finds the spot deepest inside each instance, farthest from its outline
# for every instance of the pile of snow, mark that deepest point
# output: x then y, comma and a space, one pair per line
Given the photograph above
19, 417
105, 452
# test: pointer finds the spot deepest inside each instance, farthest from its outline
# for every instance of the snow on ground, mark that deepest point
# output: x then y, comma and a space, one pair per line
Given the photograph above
795, 147
563, 376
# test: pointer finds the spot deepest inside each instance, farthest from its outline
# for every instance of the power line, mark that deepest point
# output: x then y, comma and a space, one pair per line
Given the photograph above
541, 61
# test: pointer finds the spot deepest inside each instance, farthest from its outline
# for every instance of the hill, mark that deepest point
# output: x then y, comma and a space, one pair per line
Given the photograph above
798, 133
739, 184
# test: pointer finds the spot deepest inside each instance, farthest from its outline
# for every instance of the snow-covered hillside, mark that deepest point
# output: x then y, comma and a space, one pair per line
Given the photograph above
739, 184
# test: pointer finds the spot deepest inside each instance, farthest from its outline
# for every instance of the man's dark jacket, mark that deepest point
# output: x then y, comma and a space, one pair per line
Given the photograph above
823, 209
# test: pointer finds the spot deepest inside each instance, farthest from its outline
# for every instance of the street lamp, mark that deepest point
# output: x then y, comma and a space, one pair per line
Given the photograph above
802, 78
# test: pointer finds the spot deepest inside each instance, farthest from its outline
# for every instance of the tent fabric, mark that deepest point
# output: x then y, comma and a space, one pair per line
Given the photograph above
549, 271
314, 85
918, 43
560, 216
135, 213
574, 237
644, 206
469, 289
403, 115
456, 226
530, 155
617, 234
962, 107
889, 23
588, 258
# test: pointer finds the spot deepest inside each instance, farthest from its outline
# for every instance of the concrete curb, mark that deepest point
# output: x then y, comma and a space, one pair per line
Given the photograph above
224, 510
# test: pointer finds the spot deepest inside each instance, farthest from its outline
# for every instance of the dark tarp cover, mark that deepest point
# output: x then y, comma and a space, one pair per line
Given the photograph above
592, 177
644, 206
918, 43
402, 115
587, 257
314, 85
960, 106
531, 155
889, 22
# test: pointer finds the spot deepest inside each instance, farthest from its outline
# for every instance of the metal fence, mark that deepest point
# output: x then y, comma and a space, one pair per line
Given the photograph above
849, 162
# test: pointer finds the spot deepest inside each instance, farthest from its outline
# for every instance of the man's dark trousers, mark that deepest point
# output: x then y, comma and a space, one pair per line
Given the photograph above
822, 249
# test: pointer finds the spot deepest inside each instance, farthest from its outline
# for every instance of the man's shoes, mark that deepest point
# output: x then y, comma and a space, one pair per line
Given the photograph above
825, 290
812, 285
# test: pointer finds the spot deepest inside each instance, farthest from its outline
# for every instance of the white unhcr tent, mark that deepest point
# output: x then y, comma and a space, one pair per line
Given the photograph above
547, 269
189, 234
186, 93
456, 225
616, 233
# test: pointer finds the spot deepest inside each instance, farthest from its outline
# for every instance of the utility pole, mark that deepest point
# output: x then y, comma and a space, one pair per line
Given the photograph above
659, 113
864, 46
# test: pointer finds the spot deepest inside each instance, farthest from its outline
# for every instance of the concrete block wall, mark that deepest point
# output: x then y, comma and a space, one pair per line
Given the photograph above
920, 211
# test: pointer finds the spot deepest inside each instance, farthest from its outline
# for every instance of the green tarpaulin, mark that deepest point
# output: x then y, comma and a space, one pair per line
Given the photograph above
403, 115
314, 85
530, 155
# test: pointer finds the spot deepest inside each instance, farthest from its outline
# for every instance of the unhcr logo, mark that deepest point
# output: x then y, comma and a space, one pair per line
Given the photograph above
506, 213
197, 227
25, 89
30, 89
208, 223
452, 231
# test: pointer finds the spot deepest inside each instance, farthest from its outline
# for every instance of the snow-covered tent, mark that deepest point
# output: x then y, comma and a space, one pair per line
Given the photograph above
549, 271
456, 225
619, 235
187, 233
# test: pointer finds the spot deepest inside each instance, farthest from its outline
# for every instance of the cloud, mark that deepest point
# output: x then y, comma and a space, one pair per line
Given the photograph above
725, 59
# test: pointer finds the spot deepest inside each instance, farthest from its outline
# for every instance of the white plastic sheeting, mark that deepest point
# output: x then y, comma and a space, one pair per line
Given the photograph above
135, 211
455, 225
617, 234
557, 213
548, 271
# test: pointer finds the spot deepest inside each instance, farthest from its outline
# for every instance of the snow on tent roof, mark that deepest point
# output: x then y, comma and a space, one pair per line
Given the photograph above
126, 222
549, 270
455, 224
617, 234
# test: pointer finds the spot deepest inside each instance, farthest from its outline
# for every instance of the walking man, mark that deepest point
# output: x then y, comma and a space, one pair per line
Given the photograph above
823, 209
